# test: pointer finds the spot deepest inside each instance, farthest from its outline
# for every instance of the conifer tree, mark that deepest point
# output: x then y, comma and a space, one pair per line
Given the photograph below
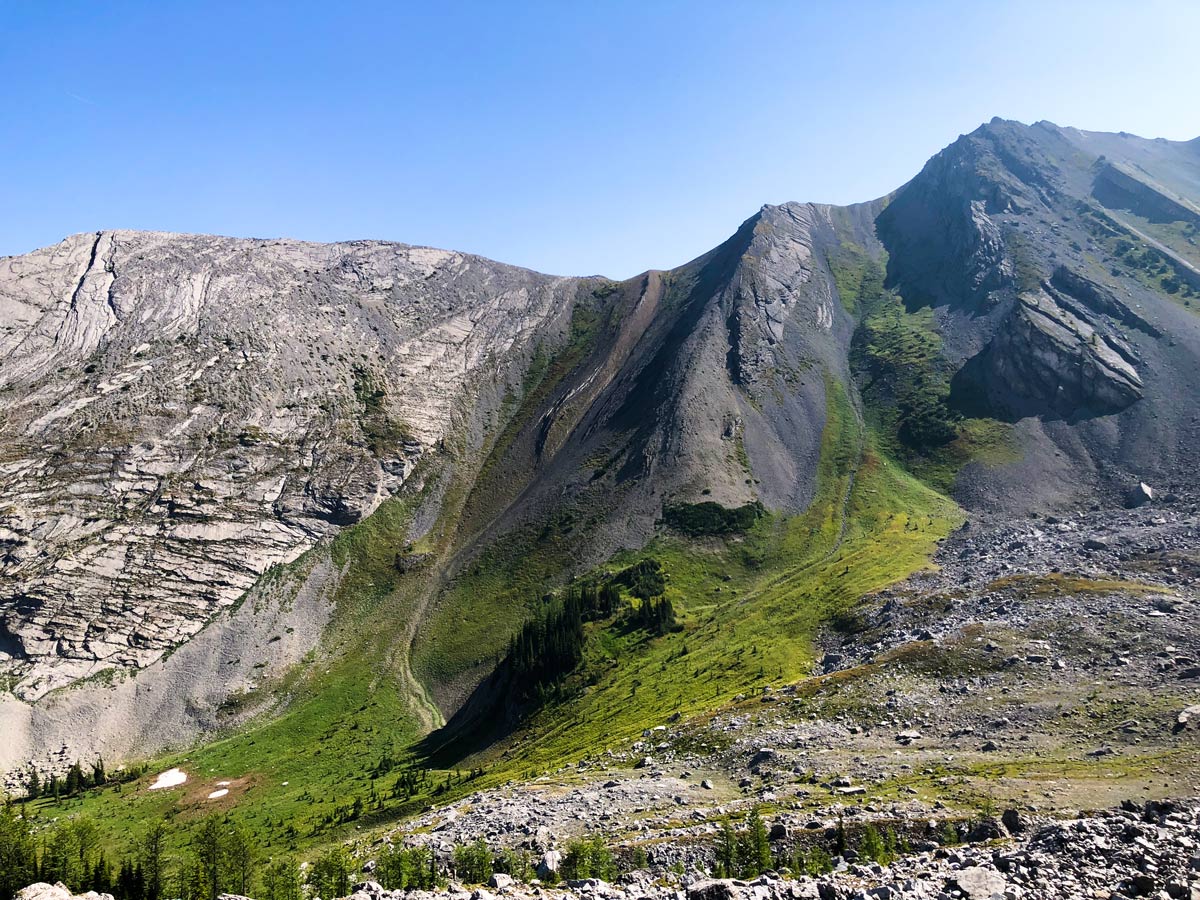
18, 854
153, 862
207, 846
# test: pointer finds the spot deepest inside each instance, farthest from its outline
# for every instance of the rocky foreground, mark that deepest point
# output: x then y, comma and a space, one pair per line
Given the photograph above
1151, 851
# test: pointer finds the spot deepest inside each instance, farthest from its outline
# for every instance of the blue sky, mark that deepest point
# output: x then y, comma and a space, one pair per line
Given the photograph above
574, 137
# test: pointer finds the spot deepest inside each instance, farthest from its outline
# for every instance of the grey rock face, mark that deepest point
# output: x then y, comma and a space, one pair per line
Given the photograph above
1049, 360
181, 413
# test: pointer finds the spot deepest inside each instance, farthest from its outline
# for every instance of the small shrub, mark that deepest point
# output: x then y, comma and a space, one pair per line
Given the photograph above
330, 875
710, 518
473, 863
879, 848
589, 858
645, 579
516, 863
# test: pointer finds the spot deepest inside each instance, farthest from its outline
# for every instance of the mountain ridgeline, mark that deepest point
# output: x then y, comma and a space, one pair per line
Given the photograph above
288, 494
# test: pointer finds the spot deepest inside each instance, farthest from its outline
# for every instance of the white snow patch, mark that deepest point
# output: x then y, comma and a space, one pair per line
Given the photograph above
169, 779
221, 793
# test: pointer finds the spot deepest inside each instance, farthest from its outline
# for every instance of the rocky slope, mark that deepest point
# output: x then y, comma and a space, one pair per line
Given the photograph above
1127, 852
181, 415
1131, 851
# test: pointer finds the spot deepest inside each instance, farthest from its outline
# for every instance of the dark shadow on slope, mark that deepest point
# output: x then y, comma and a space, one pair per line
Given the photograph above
488, 716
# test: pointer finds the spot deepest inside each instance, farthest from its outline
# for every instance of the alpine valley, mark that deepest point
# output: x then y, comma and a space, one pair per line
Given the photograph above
872, 531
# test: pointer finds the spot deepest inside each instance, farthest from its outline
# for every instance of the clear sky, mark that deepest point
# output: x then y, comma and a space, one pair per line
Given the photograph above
573, 136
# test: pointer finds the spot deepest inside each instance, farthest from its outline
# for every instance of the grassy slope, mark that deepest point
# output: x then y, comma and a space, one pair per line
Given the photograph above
346, 710
750, 607
897, 354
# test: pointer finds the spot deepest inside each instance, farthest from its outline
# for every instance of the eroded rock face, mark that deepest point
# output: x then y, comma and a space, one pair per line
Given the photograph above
946, 246
180, 413
1047, 359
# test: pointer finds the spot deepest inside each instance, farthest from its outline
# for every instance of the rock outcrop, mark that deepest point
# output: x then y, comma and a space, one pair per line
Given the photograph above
181, 413
1047, 360
56, 891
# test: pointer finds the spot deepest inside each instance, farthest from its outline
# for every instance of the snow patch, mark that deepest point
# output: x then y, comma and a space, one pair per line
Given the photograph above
169, 779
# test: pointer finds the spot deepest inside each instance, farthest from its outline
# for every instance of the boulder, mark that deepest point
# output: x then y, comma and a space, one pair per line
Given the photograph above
986, 829
547, 867
763, 755
980, 883
713, 889
1013, 821
56, 891
1187, 717
1139, 495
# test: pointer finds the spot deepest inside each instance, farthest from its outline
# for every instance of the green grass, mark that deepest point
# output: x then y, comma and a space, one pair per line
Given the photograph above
988, 442
1124, 253
905, 381
1056, 584
483, 607
855, 275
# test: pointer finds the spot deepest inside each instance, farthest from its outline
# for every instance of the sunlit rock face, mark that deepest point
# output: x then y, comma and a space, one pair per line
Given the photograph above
179, 413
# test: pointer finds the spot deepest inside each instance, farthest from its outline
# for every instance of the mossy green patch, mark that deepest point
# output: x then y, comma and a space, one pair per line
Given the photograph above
709, 518
1055, 584
855, 274
904, 380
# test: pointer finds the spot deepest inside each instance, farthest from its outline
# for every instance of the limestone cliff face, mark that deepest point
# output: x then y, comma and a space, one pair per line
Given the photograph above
180, 413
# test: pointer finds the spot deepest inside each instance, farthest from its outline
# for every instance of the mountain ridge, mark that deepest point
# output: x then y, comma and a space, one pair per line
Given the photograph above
395, 450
